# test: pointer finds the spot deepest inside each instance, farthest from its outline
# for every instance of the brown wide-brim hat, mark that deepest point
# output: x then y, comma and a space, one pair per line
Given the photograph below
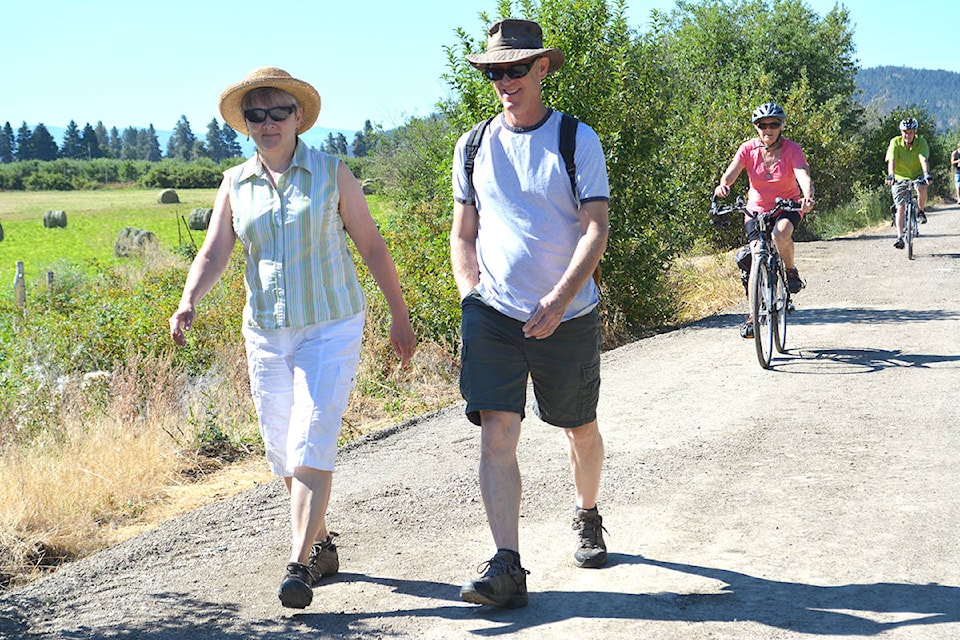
232, 97
512, 40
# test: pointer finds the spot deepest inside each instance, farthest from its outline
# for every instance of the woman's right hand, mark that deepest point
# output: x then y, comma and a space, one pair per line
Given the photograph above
722, 191
181, 321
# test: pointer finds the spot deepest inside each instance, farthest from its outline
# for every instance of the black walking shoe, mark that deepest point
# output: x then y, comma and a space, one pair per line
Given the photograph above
324, 560
296, 589
794, 283
591, 550
921, 216
503, 583
899, 243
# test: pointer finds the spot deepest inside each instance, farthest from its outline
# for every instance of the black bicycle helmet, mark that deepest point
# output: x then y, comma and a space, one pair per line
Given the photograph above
908, 123
768, 110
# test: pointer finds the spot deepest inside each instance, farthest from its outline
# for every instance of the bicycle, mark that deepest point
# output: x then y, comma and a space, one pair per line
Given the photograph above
911, 228
770, 300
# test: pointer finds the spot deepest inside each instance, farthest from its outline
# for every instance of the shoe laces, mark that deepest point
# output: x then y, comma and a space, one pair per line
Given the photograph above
589, 530
498, 565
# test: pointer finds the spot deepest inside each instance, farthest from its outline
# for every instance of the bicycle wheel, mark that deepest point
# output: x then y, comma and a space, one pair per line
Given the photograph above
781, 302
762, 316
910, 227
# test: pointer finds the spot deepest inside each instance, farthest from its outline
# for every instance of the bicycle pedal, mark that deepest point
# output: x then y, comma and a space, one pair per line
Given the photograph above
791, 308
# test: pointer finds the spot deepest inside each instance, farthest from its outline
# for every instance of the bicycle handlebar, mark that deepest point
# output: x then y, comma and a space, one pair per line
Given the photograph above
720, 214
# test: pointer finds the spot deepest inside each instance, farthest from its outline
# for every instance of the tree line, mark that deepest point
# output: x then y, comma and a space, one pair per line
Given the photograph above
95, 142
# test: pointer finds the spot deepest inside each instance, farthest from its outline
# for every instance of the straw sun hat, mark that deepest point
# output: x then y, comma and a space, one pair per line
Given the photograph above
512, 40
232, 97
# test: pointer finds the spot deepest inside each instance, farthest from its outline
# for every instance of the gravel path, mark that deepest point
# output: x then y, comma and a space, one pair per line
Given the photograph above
818, 499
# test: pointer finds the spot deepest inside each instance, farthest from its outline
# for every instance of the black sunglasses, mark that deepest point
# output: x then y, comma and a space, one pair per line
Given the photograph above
277, 114
513, 71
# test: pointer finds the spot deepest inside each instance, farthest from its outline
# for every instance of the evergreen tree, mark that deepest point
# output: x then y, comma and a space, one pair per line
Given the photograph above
216, 150
149, 145
115, 144
25, 143
44, 146
181, 143
8, 144
364, 141
340, 144
330, 145
72, 146
103, 139
90, 142
130, 149
231, 147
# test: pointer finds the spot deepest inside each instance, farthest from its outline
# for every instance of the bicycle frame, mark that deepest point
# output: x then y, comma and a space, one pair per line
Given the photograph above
911, 228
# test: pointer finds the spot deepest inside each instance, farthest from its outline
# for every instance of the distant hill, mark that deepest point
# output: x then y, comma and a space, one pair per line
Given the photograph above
936, 90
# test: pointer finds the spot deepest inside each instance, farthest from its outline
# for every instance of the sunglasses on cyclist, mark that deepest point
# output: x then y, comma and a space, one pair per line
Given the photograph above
513, 71
769, 125
277, 114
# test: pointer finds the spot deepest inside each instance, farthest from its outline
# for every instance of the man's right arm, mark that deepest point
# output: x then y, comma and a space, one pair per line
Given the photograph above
463, 247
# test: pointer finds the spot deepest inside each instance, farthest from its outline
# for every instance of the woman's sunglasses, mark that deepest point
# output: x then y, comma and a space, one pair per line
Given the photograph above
277, 114
514, 71
769, 125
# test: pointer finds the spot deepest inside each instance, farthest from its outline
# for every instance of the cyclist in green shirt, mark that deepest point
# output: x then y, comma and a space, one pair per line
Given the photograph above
907, 160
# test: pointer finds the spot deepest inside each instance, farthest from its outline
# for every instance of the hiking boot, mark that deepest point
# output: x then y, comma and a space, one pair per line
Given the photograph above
899, 243
794, 283
503, 583
921, 216
591, 551
296, 589
746, 329
324, 560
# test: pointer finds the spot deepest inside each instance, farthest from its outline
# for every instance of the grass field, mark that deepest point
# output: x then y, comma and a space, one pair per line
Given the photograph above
94, 219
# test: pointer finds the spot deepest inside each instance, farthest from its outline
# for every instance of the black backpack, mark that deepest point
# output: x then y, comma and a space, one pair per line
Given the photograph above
568, 146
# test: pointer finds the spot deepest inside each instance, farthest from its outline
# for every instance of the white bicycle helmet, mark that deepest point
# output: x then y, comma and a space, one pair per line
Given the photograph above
768, 110
908, 123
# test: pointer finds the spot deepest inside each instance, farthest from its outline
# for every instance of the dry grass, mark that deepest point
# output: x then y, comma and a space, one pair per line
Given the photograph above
705, 285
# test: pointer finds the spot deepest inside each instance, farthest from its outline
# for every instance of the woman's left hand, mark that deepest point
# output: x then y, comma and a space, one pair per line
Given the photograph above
806, 205
404, 340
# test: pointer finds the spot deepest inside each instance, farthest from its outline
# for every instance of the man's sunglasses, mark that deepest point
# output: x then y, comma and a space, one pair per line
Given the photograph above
513, 71
277, 114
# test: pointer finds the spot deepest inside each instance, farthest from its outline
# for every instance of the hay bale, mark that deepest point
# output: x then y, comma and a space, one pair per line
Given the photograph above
55, 218
168, 196
134, 242
199, 219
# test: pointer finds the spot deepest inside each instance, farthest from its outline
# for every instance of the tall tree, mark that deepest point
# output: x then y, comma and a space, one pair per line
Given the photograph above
115, 144
340, 144
72, 146
90, 142
330, 145
230, 144
45, 147
25, 143
103, 138
8, 144
215, 147
149, 144
130, 149
181, 143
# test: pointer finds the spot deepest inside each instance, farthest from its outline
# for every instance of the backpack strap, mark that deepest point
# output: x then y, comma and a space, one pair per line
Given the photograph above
568, 146
471, 148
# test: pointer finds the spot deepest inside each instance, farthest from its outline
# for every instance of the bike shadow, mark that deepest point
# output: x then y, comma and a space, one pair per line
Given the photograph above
855, 315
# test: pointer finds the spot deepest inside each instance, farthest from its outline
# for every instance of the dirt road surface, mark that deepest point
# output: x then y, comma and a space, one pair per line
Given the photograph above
819, 499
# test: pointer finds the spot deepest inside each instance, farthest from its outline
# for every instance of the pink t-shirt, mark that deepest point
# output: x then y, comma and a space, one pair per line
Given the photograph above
779, 181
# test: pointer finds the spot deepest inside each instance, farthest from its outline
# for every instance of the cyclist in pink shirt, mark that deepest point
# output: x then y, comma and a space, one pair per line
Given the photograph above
776, 168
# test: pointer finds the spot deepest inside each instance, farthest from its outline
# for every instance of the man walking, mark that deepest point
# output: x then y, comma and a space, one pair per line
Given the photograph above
525, 240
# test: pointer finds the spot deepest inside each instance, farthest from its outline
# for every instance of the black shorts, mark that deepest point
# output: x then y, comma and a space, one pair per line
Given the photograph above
497, 359
753, 228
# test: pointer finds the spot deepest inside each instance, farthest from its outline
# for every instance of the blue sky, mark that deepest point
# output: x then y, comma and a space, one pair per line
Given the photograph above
135, 64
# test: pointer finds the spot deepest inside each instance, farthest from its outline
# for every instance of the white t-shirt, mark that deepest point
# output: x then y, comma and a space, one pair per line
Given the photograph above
529, 216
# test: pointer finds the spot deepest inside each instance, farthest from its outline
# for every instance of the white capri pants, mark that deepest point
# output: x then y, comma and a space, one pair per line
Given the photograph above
301, 381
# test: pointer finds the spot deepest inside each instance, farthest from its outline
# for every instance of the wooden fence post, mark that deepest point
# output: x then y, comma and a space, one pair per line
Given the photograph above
19, 287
